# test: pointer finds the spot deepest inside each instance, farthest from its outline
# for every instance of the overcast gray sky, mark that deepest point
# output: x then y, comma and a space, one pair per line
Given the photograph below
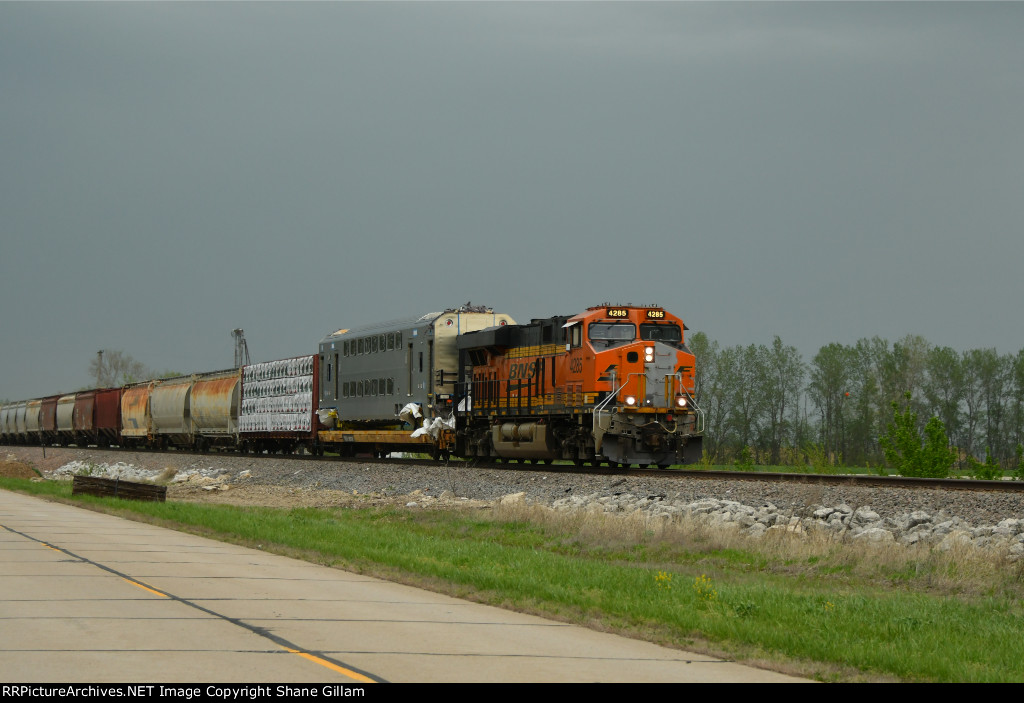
820, 171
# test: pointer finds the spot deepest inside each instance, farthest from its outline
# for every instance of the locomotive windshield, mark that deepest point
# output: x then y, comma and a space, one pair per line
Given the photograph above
661, 333
612, 333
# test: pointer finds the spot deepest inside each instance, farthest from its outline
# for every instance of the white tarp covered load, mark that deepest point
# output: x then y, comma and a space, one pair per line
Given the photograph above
277, 396
434, 427
411, 413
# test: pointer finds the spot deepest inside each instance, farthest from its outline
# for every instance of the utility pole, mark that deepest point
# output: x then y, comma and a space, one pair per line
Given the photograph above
99, 367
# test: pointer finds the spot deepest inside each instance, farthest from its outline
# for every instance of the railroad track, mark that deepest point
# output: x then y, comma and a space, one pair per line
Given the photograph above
862, 480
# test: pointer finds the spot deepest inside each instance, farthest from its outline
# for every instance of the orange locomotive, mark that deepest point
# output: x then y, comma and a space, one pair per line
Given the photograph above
613, 384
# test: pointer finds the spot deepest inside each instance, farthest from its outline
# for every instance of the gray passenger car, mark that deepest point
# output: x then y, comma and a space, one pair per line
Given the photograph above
368, 374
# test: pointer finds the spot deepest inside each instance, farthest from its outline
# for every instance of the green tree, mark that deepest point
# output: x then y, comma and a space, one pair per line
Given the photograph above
781, 377
709, 392
944, 389
746, 405
912, 455
115, 368
829, 379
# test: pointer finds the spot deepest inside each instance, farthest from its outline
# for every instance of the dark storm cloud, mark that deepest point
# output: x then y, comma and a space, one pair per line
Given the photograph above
821, 171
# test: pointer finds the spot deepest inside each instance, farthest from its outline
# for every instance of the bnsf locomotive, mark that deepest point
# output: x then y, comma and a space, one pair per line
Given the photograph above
613, 384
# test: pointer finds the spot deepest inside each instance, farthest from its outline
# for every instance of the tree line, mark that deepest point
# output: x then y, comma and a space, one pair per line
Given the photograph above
767, 403
113, 368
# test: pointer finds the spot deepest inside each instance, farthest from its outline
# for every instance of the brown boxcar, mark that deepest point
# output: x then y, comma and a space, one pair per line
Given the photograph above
48, 419
106, 420
82, 418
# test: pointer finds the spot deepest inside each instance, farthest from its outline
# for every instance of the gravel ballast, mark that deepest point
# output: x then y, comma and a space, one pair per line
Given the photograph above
241, 479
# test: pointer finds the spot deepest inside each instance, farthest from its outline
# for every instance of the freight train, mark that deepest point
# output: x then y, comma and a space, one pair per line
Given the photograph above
613, 384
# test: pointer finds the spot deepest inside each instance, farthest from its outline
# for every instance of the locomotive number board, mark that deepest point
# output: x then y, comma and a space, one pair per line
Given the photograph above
622, 313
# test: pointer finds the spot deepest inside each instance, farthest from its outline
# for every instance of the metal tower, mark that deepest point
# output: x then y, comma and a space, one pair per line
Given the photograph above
241, 348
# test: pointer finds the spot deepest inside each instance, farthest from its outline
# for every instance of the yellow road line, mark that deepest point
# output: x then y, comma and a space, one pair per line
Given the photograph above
146, 588
333, 667
134, 583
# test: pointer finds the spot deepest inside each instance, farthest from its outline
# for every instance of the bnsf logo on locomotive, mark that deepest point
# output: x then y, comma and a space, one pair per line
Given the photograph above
522, 371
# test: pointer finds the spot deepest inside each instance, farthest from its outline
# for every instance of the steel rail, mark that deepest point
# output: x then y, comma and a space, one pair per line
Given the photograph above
867, 480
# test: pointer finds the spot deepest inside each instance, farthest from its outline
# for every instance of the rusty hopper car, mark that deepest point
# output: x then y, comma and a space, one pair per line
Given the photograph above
136, 422
170, 412
214, 405
197, 411
613, 384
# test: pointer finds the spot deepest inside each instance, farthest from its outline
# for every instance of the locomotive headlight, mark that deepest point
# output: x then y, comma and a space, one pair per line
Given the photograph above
648, 354
681, 402
630, 400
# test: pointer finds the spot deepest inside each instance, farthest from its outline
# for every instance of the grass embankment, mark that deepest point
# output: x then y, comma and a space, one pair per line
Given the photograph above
808, 606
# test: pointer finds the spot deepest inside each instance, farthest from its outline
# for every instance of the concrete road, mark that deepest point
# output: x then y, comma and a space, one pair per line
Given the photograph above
86, 597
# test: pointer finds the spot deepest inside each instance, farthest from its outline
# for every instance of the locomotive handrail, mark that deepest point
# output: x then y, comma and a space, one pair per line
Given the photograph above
600, 407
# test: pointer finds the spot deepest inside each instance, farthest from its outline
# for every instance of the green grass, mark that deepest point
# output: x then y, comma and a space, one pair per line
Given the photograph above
830, 612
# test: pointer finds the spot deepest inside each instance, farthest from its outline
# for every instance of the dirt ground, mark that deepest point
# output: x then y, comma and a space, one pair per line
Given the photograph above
16, 469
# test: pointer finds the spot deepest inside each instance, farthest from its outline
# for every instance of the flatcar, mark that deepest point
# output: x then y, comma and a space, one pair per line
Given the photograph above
380, 383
